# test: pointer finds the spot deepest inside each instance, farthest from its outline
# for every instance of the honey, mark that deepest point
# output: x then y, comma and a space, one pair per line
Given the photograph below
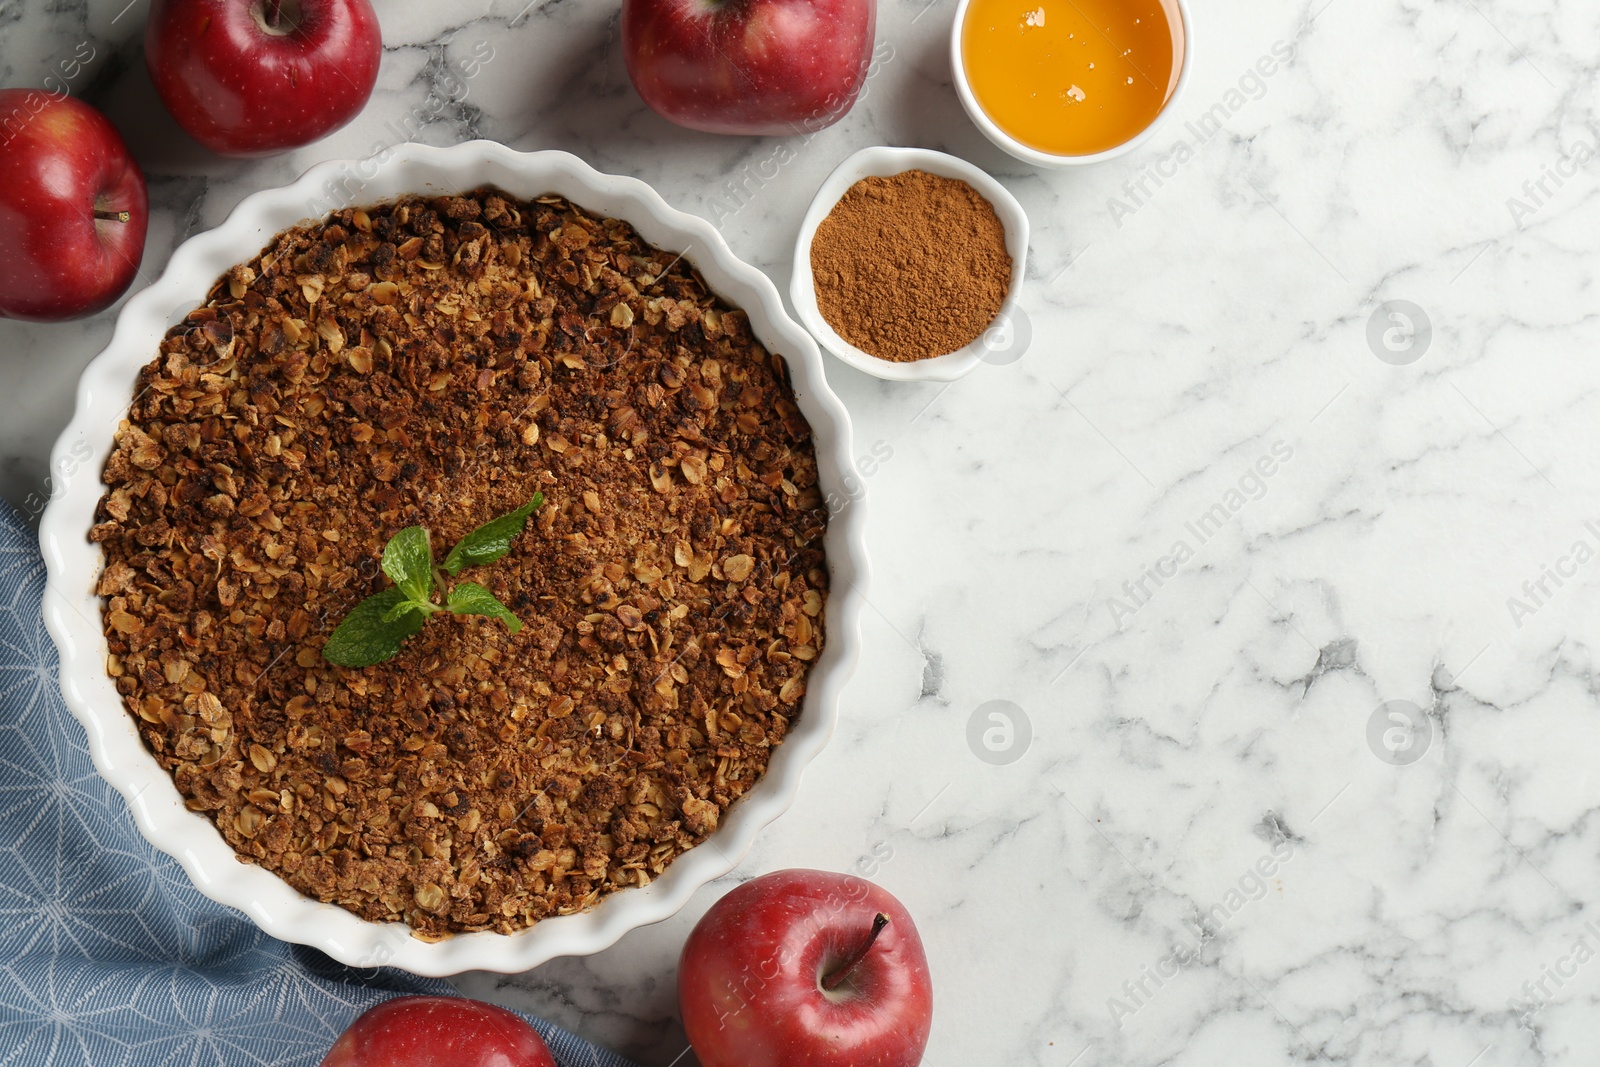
1072, 77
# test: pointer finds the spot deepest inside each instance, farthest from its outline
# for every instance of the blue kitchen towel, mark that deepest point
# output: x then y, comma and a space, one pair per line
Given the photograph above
108, 956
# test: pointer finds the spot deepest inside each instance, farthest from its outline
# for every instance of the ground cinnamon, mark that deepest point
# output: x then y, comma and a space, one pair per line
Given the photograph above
911, 266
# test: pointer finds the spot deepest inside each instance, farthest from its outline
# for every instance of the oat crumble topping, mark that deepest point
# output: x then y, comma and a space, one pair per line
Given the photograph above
434, 362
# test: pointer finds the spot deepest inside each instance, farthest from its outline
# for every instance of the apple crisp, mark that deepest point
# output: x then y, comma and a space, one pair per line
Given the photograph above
436, 362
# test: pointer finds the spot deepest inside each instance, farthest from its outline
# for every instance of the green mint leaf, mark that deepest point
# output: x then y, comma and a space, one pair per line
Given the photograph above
470, 598
408, 561
367, 635
400, 609
491, 540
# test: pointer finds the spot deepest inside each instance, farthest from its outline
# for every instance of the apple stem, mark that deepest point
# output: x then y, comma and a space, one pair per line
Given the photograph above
274, 13
834, 980
113, 216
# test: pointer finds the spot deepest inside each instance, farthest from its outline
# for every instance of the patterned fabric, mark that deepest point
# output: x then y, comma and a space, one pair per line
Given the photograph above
108, 956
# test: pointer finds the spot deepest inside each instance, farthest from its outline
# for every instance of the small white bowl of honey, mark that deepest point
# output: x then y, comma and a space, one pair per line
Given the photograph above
1059, 83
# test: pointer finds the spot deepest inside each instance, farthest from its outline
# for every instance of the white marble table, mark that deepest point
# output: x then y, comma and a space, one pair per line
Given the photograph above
1218, 845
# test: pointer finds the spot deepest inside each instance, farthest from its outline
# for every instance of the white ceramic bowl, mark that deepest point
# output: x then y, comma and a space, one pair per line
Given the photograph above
72, 611
883, 163
1177, 12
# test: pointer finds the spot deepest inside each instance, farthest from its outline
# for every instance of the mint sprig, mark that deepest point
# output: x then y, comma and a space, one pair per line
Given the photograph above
376, 628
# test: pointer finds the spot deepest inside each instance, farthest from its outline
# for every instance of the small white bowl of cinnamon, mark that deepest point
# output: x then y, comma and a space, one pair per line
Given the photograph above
909, 265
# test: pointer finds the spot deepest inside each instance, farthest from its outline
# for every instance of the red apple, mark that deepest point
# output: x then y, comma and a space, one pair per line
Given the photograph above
73, 208
253, 77
749, 66
806, 969
438, 1032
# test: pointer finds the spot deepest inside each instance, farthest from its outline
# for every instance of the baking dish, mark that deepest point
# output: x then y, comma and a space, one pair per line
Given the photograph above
72, 610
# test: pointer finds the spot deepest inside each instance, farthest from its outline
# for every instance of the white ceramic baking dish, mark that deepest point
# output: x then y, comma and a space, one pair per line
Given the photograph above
72, 611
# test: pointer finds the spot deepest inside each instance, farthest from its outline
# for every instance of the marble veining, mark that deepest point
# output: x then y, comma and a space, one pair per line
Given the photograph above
1286, 593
